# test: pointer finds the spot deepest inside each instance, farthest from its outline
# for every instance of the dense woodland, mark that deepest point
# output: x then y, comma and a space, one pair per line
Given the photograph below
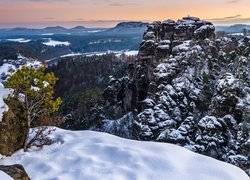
82, 80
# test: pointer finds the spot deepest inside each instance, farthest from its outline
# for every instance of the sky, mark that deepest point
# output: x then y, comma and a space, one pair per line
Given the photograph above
107, 13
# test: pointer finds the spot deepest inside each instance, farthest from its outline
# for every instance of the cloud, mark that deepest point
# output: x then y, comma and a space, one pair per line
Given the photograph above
123, 4
49, 18
237, 19
233, 1
46, 0
226, 18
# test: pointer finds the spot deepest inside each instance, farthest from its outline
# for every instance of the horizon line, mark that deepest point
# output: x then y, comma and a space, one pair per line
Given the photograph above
91, 23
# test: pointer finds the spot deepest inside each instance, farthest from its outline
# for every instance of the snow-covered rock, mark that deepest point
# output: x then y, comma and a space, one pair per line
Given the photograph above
4, 176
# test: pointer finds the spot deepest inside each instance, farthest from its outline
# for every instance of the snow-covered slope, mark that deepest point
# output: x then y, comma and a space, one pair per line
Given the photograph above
54, 43
4, 176
94, 155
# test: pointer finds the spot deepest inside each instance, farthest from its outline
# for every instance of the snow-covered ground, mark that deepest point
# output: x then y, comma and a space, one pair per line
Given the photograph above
95, 31
118, 53
20, 40
236, 34
94, 155
131, 53
3, 95
4, 69
47, 34
4, 176
54, 43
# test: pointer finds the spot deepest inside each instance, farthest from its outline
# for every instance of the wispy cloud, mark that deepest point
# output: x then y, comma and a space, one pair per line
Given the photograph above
233, 1
226, 18
122, 4
49, 18
237, 19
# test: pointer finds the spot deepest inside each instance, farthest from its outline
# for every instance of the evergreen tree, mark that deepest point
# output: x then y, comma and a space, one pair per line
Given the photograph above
34, 90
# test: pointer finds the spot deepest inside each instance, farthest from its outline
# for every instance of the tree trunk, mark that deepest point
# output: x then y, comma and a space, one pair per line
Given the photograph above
26, 143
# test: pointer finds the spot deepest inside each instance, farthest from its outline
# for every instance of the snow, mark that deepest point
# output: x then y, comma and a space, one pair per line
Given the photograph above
95, 155
45, 83
4, 176
236, 34
20, 40
3, 95
118, 53
47, 34
131, 53
163, 47
227, 80
169, 22
72, 54
56, 43
149, 102
205, 27
185, 46
95, 31
4, 69
209, 122
34, 88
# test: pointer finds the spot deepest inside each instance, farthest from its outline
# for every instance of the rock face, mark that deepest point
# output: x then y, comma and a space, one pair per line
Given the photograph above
189, 89
12, 137
17, 172
160, 40
161, 37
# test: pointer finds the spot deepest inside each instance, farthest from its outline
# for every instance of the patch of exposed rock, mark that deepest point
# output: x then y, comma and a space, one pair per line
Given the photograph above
17, 172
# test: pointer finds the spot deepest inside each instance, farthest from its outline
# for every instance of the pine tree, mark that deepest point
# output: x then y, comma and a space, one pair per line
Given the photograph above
34, 91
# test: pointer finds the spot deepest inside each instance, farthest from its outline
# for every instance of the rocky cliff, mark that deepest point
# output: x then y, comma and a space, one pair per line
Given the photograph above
188, 88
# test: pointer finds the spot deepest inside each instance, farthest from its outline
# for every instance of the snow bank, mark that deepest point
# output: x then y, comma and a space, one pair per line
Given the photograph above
20, 40
3, 95
4, 176
94, 155
56, 43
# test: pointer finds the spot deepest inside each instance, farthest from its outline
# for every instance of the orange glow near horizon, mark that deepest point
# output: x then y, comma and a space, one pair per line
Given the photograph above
97, 12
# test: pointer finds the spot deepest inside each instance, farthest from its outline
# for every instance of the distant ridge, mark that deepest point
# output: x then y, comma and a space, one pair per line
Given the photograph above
236, 28
131, 27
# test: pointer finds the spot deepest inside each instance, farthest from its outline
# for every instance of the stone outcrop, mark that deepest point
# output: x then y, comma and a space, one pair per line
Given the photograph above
17, 172
13, 129
161, 37
191, 89
159, 41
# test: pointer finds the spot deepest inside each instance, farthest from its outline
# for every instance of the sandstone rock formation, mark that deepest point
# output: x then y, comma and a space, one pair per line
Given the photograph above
190, 89
17, 172
13, 129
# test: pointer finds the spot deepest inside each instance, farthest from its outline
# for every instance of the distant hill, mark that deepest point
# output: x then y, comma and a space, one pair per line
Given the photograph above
55, 28
20, 31
236, 28
132, 27
79, 28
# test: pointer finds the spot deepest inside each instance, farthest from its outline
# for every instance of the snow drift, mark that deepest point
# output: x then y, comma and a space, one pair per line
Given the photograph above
95, 155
